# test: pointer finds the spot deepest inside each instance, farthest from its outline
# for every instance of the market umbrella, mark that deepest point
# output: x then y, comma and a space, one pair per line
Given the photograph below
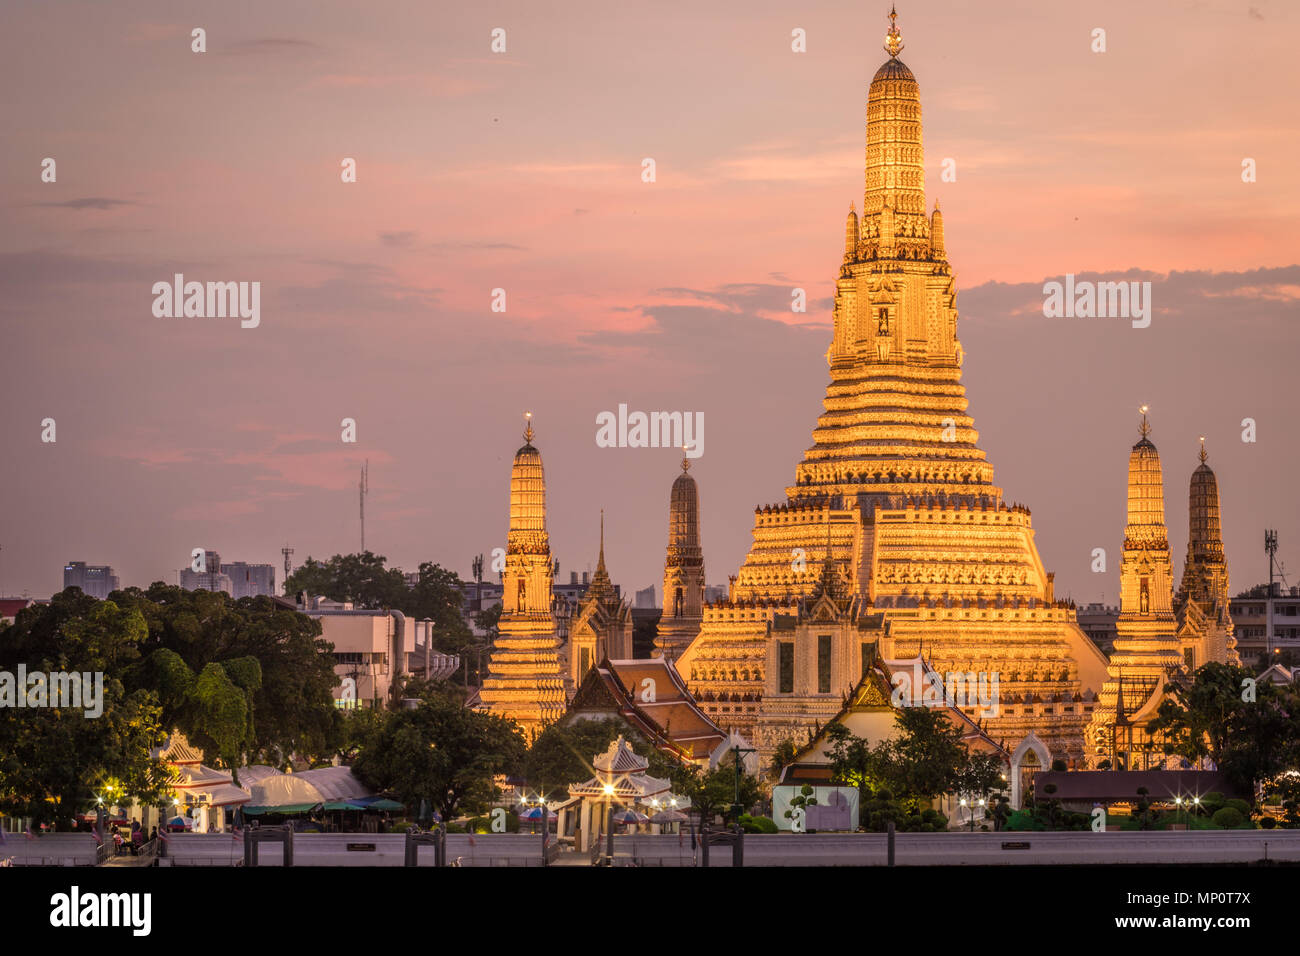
535, 813
669, 816
630, 816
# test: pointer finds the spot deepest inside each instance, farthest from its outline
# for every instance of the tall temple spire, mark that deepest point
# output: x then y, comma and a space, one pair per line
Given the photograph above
525, 682
1147, 647
921, 541
683, 568
1205, 573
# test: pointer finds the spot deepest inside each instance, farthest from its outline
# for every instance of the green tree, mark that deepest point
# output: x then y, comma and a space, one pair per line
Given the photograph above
785, 753
853, 762
805, 798
714, 791
205, 651
924, 759
440, 751
1211, 715
54, 761
562, 755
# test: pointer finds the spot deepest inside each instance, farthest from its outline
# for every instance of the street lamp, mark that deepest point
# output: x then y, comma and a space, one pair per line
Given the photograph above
609, 823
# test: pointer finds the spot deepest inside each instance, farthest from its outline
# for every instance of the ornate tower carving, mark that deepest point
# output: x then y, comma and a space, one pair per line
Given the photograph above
602, 624
525, 681
1147, 648
898, 492
1202, 604
683, 568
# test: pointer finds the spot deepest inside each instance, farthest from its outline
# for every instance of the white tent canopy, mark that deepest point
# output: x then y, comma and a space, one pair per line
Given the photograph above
336, 783
284, 790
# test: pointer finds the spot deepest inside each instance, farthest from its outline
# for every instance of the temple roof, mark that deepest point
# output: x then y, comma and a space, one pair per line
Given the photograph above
673, 721
620, 758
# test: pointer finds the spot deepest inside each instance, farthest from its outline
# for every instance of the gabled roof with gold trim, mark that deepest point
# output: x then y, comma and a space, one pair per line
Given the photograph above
672, 721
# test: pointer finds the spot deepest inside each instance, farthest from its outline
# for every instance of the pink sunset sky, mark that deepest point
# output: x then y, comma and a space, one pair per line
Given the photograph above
522, 170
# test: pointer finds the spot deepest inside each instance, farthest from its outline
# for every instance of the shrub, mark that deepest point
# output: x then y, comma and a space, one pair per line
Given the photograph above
757, 824
1241, 806
1213, 802
1228, 818
1268, 823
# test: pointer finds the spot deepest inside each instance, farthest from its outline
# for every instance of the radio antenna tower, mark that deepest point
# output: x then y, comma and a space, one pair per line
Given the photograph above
364, 487
288, 565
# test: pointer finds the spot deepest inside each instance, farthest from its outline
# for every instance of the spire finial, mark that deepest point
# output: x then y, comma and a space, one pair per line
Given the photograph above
602, 535
893, 39
1203, 454
1145, 427
528, 428
686, 461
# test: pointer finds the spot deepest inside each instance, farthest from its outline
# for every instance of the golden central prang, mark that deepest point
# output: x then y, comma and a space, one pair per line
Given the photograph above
893, 540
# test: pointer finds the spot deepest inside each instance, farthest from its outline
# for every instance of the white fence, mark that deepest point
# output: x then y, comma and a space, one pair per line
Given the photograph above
52, 849
784, 849
355, 849
958, 849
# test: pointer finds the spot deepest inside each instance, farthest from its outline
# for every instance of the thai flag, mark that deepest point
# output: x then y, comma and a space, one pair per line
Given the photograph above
98, 840
472, 841
162, 835
28, 832
236, 834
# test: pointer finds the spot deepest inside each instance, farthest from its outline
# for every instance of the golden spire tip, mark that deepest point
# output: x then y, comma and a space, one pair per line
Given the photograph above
528, 429
893, 39
1204, 455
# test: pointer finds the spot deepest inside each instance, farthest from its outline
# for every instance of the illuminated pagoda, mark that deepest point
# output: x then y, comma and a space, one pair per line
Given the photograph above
1147, 649
893, 535
601, 626
683, 569
525, 681
1202, 605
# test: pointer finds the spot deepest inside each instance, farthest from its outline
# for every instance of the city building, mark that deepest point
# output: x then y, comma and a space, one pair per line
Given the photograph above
1267, 627
210, 578
893, 532
1098, 621
645, 599
250, 580
526, 682
373, 649
95, 580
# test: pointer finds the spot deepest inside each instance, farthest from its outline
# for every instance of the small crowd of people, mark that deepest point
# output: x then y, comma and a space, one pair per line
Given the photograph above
134, 841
